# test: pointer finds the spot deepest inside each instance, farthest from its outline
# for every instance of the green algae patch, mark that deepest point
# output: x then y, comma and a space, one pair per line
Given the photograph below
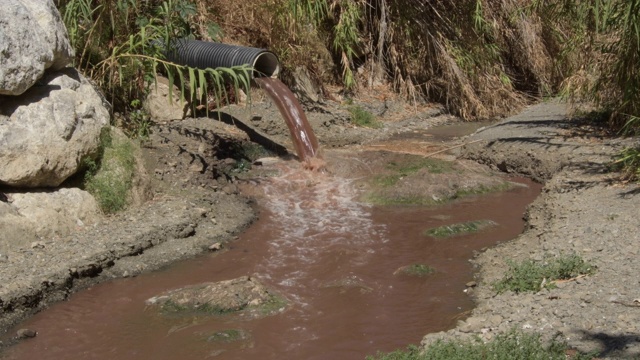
244, 295
228, 336
417, 270
459, 229
408, 180
397, 170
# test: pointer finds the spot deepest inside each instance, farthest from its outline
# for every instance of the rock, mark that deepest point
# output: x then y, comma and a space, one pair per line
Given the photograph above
33, 38
23, 49
49, 19
217, 298
215, 246
37, 245
304, 87
46, 214
26, 333
159, 107
230, 189
47, 133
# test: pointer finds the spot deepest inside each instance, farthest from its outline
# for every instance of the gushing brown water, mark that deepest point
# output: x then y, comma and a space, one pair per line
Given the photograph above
303, 137
332, 257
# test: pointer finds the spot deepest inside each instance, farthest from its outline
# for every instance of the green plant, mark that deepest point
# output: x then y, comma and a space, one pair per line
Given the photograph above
121, 45
364, 118
346, 37
483, 189
530, 275
628, 162
110, 180
227, 336
139, 124
411, 166
345, 18
418, 270
459, 229
511, 345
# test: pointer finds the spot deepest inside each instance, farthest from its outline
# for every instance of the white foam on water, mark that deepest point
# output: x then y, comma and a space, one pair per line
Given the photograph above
316, 215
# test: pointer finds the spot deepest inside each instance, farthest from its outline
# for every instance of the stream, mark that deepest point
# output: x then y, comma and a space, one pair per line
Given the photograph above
335, 259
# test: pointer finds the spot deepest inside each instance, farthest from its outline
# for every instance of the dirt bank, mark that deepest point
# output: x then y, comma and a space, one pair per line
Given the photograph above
196, 203
583, 209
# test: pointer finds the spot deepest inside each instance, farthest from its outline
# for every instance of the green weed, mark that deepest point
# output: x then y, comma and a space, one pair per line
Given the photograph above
511, 345
409, 167
628, 162
480, 190
384, 200
459, 229
419, 270
227, 336
530, 275
364, 118
110, 180
121, 45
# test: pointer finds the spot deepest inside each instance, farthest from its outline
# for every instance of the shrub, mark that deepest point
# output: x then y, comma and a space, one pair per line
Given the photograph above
110, 180
364, 118
530, 275
511, 345
120, 45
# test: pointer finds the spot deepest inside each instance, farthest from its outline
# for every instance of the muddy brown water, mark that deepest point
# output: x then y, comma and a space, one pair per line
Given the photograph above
302, 136
334, 258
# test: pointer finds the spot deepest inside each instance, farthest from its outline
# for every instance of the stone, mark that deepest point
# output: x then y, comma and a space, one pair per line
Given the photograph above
215, 246
26, 333
46, 133
304, 87
221, 297
158, 105
48, 214
33, 38
55, 32
24, 52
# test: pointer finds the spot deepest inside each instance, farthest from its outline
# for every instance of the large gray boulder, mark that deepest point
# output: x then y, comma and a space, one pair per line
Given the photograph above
55, 32
33, 38
45, 215
47, 132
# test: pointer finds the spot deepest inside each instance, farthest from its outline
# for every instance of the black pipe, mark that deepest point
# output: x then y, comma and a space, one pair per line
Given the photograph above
204, 54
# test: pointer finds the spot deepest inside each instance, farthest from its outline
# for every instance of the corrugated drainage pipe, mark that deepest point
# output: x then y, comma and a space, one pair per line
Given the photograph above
204, 54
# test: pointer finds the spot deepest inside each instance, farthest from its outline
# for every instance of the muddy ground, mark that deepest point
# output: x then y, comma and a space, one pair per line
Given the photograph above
196, 203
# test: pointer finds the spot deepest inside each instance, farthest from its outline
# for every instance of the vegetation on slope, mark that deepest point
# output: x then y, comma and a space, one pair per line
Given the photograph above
479, 58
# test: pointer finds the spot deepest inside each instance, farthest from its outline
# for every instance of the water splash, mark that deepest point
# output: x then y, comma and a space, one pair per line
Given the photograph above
319, 222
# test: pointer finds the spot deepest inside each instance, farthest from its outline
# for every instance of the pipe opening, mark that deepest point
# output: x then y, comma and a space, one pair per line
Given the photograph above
266, 64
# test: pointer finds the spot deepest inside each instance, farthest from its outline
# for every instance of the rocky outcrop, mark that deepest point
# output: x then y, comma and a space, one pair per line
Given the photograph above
32, 39
51, 119
46, 133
